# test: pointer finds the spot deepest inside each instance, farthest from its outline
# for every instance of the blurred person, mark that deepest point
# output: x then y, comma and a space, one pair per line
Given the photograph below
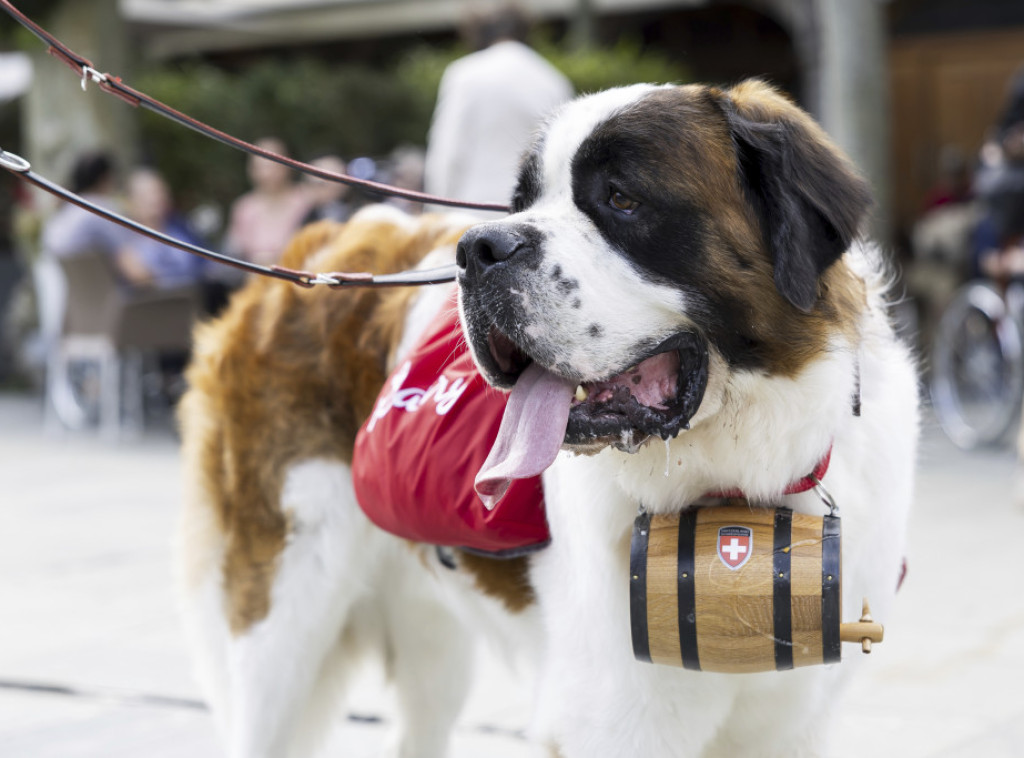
366, 168
489, 104
406, 173
149, 203
75, 392
941, 241
999, 184
10, 275
72, 230
999, 237
20, 317
263, 220
328, 198
953, 183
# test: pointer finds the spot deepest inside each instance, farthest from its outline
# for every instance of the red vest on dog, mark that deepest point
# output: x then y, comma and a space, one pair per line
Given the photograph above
417, 455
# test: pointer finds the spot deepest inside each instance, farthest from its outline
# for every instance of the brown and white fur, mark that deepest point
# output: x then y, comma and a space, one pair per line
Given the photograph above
641, 213
284, 582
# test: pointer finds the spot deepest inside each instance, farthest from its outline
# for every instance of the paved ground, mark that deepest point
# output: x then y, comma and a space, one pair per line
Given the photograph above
92, 661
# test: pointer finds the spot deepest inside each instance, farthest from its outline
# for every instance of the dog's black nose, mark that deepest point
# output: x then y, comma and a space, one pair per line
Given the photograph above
487, 244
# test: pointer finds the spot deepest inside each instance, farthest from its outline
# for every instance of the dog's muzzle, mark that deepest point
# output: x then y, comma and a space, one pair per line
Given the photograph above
495, 261
655, 396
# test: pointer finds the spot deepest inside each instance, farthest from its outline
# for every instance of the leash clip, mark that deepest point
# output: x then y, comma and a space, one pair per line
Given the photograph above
88, 72
330, 281
13, 162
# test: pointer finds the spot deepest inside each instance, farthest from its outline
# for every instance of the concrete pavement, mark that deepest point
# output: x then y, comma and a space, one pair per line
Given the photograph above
92, 662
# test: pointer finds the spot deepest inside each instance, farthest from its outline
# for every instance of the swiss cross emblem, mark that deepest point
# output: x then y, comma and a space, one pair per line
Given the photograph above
735, 544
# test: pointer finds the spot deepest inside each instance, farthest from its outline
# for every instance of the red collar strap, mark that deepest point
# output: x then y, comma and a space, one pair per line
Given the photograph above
800, 485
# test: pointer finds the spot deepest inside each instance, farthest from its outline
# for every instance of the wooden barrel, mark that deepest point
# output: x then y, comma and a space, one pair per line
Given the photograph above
736, 589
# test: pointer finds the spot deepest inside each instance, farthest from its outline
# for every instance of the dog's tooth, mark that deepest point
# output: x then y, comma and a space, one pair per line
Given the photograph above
581, 393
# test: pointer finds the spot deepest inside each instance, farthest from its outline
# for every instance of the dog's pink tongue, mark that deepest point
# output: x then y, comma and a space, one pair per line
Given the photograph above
530, 435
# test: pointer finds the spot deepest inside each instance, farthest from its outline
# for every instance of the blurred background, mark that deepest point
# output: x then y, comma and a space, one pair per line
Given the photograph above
920, 93
911, 89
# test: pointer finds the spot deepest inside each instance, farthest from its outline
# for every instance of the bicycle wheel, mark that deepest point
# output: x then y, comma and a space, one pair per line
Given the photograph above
977, 367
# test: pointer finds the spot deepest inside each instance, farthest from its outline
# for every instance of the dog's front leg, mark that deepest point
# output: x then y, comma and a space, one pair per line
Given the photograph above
596, 700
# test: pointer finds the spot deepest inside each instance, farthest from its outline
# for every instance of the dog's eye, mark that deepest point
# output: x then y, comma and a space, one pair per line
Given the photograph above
621, 202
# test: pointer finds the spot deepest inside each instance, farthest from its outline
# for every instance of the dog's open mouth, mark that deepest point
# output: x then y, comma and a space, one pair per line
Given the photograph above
656, 397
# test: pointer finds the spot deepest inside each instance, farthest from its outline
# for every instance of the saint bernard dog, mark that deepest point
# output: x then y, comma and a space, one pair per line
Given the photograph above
680, 304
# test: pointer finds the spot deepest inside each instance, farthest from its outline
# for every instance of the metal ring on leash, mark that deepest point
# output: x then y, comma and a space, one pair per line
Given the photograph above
13, 162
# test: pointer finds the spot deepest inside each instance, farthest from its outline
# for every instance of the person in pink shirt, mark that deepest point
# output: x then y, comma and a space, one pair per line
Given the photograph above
264, 219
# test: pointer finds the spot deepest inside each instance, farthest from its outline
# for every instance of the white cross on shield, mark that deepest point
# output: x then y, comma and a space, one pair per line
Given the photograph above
735, 545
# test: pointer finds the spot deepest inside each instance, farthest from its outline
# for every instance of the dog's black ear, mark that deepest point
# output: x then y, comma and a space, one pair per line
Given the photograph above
809, 198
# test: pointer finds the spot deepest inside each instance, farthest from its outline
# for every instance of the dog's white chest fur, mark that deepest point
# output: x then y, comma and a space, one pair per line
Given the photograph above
634, 708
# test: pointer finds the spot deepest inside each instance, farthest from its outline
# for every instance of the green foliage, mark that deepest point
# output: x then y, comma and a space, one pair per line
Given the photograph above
317, 107
592, 69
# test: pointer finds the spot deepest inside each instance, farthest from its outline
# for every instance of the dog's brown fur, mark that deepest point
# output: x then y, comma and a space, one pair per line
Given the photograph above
288, 374
792, 338
703, 166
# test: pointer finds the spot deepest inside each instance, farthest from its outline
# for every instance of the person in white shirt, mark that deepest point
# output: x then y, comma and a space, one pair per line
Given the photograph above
489, 105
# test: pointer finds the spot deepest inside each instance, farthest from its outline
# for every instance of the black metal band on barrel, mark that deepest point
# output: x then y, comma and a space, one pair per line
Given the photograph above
687, 592
782, 589
830, 589
638, 587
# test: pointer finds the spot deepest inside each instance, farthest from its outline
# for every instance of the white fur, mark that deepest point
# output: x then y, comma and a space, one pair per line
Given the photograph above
596, 699
634, 313
342, 588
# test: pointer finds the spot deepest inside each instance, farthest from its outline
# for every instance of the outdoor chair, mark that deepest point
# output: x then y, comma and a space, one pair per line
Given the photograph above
115, 328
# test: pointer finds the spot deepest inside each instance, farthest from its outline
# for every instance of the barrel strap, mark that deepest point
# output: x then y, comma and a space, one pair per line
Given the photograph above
830, 589
687, 589
638, 586
782, 610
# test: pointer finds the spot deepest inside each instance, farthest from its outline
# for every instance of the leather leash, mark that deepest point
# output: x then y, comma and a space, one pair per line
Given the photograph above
114, 86
335, 280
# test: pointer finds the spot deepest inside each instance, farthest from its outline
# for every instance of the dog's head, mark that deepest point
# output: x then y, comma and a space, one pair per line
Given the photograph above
653, 227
